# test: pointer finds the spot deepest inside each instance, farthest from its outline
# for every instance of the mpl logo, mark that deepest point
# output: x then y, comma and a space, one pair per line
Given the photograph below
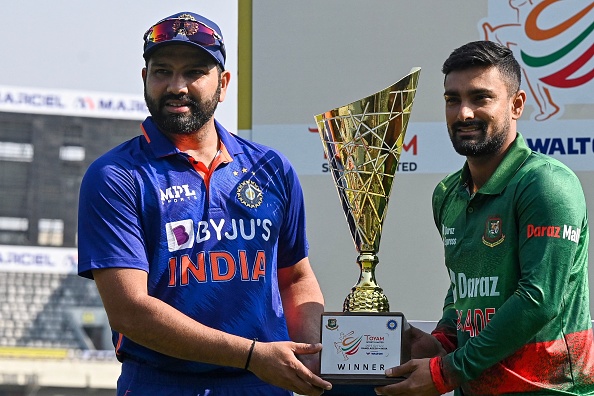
553, 41
177, 193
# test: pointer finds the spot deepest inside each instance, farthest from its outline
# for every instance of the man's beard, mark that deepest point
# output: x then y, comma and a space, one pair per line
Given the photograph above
182, 124
486, 144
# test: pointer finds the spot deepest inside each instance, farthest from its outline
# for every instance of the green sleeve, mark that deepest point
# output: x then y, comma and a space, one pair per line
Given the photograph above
445, 331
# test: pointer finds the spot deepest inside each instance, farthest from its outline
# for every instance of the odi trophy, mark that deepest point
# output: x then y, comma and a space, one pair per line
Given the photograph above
363, 141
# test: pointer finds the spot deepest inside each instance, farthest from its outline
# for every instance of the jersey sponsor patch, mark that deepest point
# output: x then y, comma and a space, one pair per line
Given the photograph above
493, 234
448, 235
250, 194
184, 234
177, 194
548, 231
471, 287
473, 321
180, 234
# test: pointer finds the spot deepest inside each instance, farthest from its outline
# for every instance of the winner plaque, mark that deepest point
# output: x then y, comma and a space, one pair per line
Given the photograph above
363, 141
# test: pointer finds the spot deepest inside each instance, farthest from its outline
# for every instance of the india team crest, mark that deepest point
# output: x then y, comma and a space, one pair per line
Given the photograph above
250, 194
493, 235
392, 324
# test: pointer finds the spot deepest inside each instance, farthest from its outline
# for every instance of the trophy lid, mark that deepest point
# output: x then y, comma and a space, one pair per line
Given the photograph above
363, 141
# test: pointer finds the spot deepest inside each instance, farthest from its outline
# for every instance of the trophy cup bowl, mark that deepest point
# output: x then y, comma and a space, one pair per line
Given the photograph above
363, 141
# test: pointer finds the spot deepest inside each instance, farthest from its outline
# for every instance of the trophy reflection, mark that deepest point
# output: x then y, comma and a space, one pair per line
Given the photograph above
363, 142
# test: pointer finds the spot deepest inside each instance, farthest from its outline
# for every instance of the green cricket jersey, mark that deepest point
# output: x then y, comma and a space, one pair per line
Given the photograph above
516, 252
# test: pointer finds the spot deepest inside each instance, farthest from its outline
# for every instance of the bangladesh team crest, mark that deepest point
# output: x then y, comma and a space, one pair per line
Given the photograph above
250, 194
332, 324
493, 235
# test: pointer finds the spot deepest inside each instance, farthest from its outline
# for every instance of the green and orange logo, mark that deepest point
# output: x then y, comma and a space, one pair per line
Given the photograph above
554, 42
348, 345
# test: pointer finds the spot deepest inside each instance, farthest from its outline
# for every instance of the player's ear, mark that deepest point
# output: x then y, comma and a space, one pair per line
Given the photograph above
517, 104
225, 78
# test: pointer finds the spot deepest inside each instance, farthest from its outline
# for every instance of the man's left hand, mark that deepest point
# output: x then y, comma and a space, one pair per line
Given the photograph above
418, 383
312, 362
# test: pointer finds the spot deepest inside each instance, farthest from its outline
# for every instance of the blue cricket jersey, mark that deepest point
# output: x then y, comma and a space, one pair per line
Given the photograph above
212, 252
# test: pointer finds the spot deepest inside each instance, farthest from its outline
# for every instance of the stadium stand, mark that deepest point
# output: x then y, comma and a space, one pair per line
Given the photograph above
54, 334
42, 310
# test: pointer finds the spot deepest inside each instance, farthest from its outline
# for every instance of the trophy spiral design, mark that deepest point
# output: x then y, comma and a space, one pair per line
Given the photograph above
363, 141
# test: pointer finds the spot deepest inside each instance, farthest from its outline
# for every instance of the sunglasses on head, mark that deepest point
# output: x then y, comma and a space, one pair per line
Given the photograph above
195, 31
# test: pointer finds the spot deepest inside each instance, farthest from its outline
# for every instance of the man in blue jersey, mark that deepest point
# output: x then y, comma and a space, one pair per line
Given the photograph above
196, 239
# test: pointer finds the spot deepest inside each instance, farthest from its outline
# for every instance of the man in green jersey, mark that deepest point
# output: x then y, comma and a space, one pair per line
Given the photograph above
516, 318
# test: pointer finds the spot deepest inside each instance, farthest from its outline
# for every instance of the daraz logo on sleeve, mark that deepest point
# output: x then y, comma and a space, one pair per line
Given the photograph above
566, 232
180, 235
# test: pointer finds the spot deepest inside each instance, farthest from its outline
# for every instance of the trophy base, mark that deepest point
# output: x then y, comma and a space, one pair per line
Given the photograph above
357, 387
371, 380
357, 347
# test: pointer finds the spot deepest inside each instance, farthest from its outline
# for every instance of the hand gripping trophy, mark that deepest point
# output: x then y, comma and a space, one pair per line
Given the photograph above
363, 141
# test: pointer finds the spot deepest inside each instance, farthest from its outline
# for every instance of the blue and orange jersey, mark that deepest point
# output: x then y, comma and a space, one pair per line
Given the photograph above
211, 240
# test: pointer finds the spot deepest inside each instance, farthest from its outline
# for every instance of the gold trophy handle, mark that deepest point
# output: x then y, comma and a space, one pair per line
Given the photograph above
366, 295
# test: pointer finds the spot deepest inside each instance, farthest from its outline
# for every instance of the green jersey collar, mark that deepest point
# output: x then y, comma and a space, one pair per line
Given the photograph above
512, 161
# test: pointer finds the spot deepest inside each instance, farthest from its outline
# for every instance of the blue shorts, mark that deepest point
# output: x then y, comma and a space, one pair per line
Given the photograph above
143, 380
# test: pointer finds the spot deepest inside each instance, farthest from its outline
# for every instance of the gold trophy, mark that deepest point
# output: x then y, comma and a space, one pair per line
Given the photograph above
363, 141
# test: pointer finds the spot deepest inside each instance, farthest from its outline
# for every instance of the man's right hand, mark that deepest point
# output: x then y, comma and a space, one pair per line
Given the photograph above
276, 363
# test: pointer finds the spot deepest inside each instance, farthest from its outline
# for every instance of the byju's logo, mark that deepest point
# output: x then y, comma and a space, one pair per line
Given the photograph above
180, 235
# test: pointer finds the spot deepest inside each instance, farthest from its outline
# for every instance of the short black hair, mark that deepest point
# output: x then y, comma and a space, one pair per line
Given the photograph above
486, 54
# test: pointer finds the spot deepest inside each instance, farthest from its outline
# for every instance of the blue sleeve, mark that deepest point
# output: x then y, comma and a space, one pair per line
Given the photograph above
292, 243
109, 227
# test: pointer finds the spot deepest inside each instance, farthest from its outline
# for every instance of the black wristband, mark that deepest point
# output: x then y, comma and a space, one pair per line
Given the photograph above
247, 362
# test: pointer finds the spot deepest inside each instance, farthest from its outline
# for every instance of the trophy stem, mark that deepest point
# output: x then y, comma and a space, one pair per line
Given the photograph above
366, 295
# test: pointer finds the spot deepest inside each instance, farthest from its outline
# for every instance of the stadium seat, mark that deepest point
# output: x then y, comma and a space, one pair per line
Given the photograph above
33, 313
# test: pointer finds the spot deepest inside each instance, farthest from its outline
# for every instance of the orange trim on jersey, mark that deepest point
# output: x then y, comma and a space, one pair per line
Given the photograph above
225, 156
222, 157
119, 344
146, 136
437, 376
